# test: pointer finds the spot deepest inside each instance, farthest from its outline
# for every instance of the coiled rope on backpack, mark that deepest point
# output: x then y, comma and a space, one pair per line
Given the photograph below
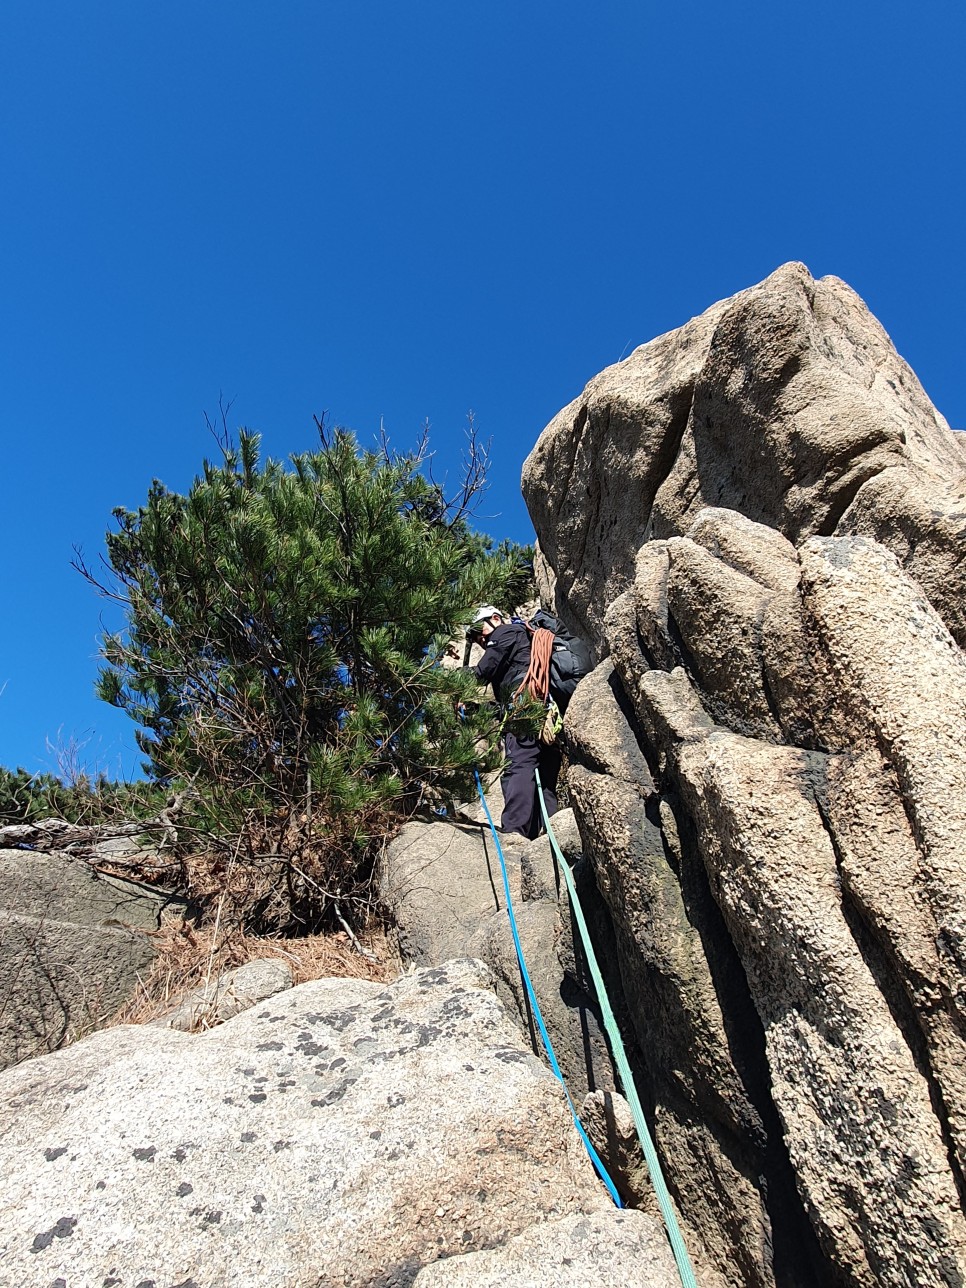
536, 682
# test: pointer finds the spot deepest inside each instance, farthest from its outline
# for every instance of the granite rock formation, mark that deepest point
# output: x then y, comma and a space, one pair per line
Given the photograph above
443, 886
758, 521
73, 944
340, 1133
786, 403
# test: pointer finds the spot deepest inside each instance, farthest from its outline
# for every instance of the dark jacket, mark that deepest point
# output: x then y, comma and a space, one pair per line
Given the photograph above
506, 659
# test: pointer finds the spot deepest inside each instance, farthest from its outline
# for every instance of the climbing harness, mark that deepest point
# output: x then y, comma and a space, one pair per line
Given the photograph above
685, 1270
535, 1006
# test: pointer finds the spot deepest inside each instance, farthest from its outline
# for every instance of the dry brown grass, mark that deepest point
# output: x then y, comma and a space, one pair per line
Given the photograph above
189, 958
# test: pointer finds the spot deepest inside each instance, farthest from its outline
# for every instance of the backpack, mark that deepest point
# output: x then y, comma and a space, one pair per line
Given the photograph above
570, 658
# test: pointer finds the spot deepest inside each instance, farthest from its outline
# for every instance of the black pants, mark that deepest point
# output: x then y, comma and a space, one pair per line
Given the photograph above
521, 808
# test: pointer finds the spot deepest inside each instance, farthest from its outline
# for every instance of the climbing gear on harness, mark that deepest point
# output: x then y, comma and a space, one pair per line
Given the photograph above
685, 1270
535, 1006
552, 724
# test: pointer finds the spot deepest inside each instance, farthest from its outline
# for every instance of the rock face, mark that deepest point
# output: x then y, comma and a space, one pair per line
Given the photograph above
574, 1252
341, 1133
769, 776
72, 947
444, 888
786, 403
228, 995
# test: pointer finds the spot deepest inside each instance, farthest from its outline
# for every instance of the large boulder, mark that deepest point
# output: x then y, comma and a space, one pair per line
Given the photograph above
228, 994
73, 945
832, 867
574, 1252
340, 1133
787, 403
443, 886
768, 774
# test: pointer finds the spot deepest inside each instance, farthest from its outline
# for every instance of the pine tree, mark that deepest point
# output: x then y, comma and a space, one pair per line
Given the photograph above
285, 629
82, 798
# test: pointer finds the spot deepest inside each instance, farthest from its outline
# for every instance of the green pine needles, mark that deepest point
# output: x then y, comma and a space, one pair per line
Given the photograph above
286, 626
76, 797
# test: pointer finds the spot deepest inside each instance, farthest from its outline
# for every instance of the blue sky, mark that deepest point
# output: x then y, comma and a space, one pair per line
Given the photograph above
400, 212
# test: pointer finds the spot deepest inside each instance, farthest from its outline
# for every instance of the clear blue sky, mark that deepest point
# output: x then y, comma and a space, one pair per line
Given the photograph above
403, 211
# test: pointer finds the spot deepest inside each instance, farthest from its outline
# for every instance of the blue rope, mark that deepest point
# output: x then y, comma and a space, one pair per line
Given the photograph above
544, 1035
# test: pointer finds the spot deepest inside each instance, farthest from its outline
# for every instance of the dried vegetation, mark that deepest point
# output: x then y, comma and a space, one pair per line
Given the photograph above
190, 958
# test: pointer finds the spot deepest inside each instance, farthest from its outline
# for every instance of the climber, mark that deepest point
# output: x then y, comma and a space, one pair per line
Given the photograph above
504, 664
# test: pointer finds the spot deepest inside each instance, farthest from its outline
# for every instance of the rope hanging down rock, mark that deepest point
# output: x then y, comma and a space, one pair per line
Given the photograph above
535, 1006
685, 1269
